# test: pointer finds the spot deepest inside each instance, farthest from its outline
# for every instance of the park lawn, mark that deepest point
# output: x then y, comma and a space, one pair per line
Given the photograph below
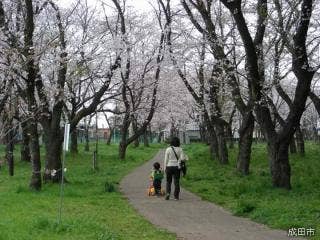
253, 196
93, 208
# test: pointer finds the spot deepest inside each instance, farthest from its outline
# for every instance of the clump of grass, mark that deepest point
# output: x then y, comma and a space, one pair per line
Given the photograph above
244, 208
41, 223
21, 189
110, 187
107, 235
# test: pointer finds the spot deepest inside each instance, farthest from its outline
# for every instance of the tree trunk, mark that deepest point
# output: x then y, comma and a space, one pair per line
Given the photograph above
316, 101
136, 142
300, 141
35, 182
230, 136
74, 141
222, 145
53, 166
229, 129
123, 142
159, 137
203, 135
245, 142
174, 132
293, 146
279, 164
315, 136
122, 150
145, 139
10, 148
213, 142
110, 136
32, 70
25, 149
87, 147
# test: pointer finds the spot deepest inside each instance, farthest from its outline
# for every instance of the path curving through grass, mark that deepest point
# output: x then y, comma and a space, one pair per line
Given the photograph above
191, 218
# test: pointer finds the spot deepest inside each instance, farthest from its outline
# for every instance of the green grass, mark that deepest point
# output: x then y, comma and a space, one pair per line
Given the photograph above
93, 208
253, 196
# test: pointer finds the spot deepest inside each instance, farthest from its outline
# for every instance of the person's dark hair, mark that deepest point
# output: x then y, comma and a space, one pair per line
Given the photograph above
156, 166
175, 142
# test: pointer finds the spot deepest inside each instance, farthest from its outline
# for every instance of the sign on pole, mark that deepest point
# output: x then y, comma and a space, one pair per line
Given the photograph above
66, 137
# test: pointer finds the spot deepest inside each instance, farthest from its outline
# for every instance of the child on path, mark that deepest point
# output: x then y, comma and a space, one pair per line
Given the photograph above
157, 176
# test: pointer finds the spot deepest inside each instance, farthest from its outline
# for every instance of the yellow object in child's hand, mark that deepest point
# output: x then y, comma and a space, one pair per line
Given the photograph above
151, 191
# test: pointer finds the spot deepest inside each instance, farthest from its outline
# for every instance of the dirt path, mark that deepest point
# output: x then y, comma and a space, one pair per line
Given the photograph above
191, 218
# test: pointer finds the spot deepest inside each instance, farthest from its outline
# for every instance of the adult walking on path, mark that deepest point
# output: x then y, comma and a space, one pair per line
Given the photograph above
191, 218
173, 157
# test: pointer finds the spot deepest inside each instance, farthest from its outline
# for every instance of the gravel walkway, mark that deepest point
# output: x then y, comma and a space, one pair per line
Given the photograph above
190, 218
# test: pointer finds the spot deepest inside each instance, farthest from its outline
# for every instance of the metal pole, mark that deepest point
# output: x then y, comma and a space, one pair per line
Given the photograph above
61, 187
97, 139
95, 153
65, 149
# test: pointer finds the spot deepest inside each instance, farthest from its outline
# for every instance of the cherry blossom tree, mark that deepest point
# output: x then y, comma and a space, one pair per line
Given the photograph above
131, 79
278, 142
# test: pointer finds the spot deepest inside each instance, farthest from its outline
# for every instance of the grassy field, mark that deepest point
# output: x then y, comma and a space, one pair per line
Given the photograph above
253, 196
93, 209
